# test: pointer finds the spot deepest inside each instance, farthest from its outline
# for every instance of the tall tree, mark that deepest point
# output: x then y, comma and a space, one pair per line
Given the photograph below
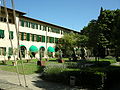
109, 21
69, 42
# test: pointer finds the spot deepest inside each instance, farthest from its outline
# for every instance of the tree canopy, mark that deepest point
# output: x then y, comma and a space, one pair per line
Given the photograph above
105, 31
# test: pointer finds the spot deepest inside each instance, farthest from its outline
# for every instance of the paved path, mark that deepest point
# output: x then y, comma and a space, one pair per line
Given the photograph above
33, 82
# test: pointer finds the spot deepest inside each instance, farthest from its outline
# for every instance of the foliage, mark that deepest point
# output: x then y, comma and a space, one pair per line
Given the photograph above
60, 73
69, 42
50, 54
104, 32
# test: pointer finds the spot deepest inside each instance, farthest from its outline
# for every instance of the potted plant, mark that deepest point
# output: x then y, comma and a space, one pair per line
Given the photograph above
9, 57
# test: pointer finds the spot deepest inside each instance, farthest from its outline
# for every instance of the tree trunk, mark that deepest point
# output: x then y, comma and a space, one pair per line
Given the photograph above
74, 55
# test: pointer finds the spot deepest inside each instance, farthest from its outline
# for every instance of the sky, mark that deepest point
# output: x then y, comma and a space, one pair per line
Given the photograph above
72, 14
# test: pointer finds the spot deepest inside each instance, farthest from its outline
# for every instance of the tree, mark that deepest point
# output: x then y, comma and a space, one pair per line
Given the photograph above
110, 25
69, 42
104, 32
96, 40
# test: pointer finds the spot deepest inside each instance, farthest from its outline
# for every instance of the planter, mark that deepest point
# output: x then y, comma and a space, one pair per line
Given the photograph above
41, 63
14, 63
60, 61
9, 57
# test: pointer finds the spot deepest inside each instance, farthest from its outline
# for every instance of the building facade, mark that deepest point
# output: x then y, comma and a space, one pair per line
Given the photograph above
34, 36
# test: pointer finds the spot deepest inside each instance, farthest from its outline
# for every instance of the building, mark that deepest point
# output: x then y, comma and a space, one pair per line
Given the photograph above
34, 35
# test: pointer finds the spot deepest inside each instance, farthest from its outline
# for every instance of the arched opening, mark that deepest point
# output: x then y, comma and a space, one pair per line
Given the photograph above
42, 51
50, 51
23, 51
33, 50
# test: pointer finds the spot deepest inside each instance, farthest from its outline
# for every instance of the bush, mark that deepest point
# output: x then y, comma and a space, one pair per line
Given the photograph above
84, 78
109, 57
103, 63
52, 72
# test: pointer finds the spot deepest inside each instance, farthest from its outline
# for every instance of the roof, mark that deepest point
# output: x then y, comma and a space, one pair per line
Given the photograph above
22, 13
49, 24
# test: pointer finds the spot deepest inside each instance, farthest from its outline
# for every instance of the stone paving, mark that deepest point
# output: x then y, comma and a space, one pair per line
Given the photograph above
9, 81
4, 85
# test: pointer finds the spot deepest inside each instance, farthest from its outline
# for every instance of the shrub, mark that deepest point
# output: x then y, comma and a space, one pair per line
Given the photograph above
52, 72
103, 63
84, 78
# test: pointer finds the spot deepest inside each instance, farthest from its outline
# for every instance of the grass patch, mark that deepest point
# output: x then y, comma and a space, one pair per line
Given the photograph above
113, 60
29, 68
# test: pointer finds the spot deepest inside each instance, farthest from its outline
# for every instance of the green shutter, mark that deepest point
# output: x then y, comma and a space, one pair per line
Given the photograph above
28, 36
26, 23
2, 34
40, 27
22, 36
22, 23
11, 35
29, 24
33, 25
0, 50
51, 40
38, 38
36, 26
57, 31
10, 51
32, 37
56, 40
43, 38
44, 28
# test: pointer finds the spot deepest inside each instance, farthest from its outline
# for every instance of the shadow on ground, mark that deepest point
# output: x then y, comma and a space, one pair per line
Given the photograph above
50, 86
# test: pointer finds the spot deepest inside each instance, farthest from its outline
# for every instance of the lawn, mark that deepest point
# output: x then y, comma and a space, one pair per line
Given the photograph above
32, 67
29, 68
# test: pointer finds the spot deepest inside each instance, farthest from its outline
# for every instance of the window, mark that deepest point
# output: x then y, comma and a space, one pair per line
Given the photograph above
22, 35
10, 51
43, 38
28, 37
1, 19
34, 37
61, 32
11, 35
56, 40
55, 30
51, 39
3, 51
44, 28
49, 29
33, 25
25, 36
22, 23
10, 21
2, 34
47, 39
38, 38
40, 27
5, 19
26, 23
36, 26
29, 24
